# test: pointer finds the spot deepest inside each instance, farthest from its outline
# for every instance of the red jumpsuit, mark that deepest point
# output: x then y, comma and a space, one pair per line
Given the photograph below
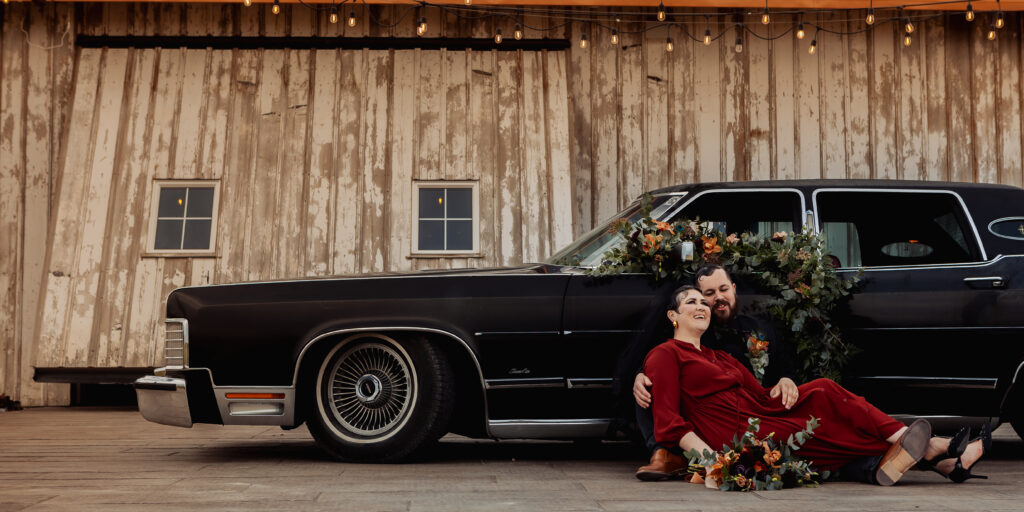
707, 392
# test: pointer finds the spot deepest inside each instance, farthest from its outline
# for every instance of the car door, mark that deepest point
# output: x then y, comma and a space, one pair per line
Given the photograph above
601, 315
922, 316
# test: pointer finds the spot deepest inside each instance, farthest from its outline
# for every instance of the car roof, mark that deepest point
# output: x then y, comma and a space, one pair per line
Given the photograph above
811, 184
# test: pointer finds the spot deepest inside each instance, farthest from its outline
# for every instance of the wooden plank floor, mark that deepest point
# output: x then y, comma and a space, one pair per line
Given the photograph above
112, 459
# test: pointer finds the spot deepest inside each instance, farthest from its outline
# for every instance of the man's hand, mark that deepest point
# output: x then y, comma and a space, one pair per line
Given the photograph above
640, 392
786, 387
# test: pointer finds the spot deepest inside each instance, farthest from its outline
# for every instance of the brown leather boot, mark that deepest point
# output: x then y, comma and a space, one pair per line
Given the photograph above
664, 465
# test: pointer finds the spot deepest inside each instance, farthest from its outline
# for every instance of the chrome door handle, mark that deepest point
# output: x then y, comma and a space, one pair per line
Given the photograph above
993, 281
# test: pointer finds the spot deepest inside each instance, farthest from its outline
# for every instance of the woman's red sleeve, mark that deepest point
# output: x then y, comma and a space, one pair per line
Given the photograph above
662, 367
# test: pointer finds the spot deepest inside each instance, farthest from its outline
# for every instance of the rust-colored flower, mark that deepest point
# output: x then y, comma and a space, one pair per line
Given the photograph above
651, 242
741, 480
663, 226
772, 457
803, 289
710, 244
760, 467
779, 236
803, 255
696, 479
732, 239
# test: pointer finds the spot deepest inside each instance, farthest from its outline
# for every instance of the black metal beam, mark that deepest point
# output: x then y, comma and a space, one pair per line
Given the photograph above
120, 375
318, 43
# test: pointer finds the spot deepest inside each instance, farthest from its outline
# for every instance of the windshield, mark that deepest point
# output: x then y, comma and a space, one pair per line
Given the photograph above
587, 250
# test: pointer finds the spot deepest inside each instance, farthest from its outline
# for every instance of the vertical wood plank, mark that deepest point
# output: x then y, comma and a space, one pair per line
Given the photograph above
288, 253
400, 205
910, 115
681, 120
213, 144
884, 106
1008, 107
834, 129
656, 171
557, 129
984, 78
482, 151
734, 116
936, 129
808, 128
323, 133
510, 162
266, 176
784, 84
534, 170
604, 136
959, 70
379, 73
708, 100
632, 159
759, 106
352, 135
858, 134
194, 94
580, 103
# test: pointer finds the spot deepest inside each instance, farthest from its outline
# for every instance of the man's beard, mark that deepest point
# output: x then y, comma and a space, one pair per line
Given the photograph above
733, 311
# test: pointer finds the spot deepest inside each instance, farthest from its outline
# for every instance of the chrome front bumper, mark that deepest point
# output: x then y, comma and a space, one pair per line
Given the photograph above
163, 400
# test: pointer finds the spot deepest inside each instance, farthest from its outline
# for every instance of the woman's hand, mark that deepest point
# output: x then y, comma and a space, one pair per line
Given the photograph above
640, 392
786, 387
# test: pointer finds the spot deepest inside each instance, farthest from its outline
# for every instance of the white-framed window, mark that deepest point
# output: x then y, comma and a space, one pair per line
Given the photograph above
183, 217
445, 217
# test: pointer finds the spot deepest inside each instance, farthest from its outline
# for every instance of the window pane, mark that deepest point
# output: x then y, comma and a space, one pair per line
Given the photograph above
200, 203
172, 202
168, 234
431, 235
460, 203
460, 235
431, 203
197, 234
761, 213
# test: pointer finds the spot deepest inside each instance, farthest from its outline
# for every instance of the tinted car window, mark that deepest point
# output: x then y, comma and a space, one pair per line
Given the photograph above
758, 212
895, 228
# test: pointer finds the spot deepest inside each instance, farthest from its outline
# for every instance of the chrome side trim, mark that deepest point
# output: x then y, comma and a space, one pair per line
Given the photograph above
936, 382
539, 382
472, 355
549, 429
1018, 238
587, 383
1017, 373
967, 211
256, 411
904, 268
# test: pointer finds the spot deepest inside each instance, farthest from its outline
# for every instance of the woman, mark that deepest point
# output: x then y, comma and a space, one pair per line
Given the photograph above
703, 397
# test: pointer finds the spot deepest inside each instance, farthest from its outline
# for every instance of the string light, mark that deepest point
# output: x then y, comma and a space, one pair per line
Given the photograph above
246, 2
999, 20
668, 45
583, 40
870, 19
765, 17
970, 12
352, 18
908, 26
991, 32
739, 44
334, 15
707, 37
615, 36
800, 31
661, 12
276, 9
814, 46
421, 28
497, 36
469, 2
906, 39
518, 32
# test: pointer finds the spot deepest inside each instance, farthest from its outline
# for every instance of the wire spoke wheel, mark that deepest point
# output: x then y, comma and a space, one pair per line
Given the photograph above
370, 388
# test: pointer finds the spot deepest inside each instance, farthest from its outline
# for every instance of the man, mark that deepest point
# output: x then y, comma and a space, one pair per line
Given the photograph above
729, 332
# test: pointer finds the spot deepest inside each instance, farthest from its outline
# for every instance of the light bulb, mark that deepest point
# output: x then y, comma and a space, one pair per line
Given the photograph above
814, 47
991, 32
497, 36
1000, 23
661, 12
870, 19
518, 32
615, 36
352, 19
906, 39
469, 2
707, 37
970, 12
739, 45
334, 15
276, 9
765, 18
246, 2
800, 31
422, 27
583, 41
668, 45
908, 27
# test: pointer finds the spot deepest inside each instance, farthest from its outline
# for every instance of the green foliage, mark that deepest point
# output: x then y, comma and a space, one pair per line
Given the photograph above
793, 269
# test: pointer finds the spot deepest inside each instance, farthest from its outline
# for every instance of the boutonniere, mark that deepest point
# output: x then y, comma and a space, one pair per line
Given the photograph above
757, 353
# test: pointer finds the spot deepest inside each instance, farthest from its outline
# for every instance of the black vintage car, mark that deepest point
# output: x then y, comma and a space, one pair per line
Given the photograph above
379, 366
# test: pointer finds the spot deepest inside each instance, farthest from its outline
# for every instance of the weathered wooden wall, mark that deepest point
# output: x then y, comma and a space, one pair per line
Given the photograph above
316, 150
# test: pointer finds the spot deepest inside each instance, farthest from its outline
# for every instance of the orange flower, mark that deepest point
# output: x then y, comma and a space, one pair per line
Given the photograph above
696, 479
651, 243
772, 457
663, 226
803, 289
759, 467
741, 480
732, 239
710, 244
779, 236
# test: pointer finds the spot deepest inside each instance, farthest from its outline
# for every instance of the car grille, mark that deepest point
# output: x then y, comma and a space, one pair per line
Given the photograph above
176, 343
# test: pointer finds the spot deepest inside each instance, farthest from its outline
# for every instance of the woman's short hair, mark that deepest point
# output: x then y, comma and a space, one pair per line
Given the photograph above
675, 301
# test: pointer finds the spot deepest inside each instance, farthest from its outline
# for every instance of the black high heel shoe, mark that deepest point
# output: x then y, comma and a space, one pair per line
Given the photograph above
960, 474
957, 445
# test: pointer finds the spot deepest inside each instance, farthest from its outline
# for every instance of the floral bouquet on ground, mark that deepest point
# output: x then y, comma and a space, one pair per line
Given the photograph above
757, 464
